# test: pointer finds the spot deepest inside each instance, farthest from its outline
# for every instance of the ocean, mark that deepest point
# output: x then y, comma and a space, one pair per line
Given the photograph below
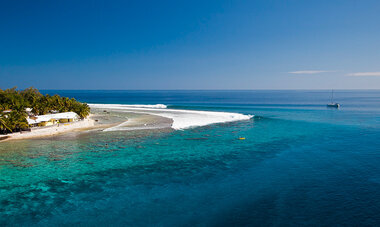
301, 164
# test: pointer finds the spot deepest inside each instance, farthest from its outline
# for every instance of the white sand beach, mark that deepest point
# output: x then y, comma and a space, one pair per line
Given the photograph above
50, 130
143, 117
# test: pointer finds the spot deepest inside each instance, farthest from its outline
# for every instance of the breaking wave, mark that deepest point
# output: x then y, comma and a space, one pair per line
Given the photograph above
182, 119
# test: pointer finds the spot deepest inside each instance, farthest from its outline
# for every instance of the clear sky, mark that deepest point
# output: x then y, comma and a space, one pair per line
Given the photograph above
190, 44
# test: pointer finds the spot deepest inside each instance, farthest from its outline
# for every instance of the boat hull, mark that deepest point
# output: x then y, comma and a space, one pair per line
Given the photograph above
333, 105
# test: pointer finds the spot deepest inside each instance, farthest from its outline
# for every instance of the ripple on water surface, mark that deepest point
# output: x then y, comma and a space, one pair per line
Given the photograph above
201, 175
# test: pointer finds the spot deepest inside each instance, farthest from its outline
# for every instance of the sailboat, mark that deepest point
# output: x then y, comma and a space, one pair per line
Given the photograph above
332, 103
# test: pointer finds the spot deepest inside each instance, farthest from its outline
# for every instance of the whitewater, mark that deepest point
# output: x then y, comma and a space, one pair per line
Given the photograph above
182, 119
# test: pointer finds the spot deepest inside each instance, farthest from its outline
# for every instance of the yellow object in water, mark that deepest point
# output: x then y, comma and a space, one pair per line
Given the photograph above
241, 138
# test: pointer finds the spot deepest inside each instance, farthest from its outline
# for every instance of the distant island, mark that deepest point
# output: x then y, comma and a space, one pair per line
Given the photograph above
21, 110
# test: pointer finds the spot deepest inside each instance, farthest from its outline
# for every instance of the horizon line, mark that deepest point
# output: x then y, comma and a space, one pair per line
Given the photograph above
254, 89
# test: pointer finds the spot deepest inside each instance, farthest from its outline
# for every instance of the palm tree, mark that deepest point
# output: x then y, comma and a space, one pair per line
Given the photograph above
84, 110
30, 95
4, 126
17, 121
17, 101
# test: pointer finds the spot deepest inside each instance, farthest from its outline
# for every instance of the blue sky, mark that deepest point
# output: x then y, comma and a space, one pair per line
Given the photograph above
190, 44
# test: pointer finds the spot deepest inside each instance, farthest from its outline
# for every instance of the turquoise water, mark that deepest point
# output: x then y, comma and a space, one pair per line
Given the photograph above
301, 164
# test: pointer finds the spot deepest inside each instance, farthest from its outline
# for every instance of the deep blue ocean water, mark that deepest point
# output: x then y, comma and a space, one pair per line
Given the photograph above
301, 164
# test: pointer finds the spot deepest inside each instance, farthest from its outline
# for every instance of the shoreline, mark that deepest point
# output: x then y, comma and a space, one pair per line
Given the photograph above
137, 122
181, 119
50, 130
144, 117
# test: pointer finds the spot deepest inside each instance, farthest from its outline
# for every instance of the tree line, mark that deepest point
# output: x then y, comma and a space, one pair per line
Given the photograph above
13, 105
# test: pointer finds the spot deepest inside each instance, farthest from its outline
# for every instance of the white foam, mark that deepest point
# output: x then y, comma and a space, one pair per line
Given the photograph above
181, 118
156, 106
118, 127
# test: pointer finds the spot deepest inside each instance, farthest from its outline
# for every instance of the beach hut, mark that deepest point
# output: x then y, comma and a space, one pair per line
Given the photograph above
52, 119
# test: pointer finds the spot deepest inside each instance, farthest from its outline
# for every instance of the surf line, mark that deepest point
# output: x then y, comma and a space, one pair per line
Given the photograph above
182, 119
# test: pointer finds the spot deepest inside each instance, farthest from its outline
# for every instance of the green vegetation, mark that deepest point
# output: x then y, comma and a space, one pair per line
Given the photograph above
13, 104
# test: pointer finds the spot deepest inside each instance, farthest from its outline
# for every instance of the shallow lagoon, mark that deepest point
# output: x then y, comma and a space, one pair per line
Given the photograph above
301, 164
